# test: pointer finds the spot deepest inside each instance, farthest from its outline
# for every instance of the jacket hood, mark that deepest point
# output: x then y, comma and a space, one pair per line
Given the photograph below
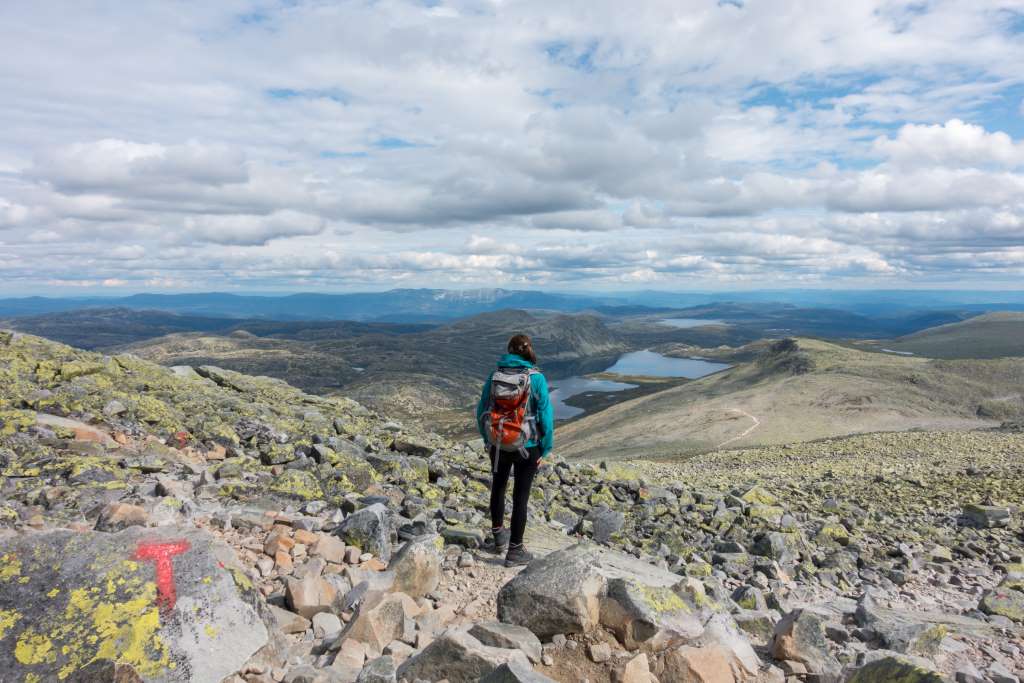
511, 360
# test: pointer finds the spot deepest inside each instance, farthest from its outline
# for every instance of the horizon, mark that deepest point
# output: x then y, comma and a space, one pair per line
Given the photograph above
695, 146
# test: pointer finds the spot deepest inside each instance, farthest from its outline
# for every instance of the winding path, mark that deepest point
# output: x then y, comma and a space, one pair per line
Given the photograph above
757, 423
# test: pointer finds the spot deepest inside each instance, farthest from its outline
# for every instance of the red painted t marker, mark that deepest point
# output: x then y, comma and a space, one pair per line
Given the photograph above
161, 554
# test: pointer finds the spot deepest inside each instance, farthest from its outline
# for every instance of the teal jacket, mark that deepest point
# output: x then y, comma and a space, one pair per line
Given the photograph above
542, 407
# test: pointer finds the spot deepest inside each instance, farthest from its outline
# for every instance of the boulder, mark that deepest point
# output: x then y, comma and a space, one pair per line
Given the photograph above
515, 673
509, 636
688, 664
169, 604
800, 637
118, 516
579, 588
1005, 602
606, 522
310, 595
986, 516
416, 568
884, 666
459, 658
379, 670
369, 529
381, 619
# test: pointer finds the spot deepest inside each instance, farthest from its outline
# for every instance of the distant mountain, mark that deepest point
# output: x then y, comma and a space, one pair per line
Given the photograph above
397, 305
436, 305
99, 328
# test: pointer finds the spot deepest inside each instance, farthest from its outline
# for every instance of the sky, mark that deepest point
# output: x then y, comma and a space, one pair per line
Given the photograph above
592, 145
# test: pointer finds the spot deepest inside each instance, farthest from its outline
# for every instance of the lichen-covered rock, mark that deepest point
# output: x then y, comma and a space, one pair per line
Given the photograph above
459, 658
369, 529
1004, 601
578, 589
895, 668
172, 604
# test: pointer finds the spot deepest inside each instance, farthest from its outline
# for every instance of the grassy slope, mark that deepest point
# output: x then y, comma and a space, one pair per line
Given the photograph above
847, 392
992, 335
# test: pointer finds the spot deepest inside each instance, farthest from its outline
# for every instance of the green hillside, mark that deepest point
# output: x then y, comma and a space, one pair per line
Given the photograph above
802, 391
994, 335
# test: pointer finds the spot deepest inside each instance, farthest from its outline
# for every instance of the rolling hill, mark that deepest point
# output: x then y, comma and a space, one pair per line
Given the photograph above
800, 391
992, 335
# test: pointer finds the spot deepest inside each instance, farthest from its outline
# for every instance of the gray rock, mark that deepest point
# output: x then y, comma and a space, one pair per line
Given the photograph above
379, 670
509, 636
885, 665
515, 673
206, 616
986, 516
578, 589
606, 522
368, 529
800, 637
326, 625
460, 658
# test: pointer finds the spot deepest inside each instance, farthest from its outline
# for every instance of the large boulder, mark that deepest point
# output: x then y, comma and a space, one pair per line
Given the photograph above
459, 658
584, 587
169, 604
800, 637
369, 529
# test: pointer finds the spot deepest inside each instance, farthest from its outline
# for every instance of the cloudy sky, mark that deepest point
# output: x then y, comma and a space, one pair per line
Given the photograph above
665, 144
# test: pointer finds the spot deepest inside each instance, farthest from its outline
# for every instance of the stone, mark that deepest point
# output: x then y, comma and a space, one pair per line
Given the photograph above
379, 670
600, 652
509, 636
637, 670
515, 673
310, 595
412, 446
1005, 602
289, 622
579, 588
369, 529
326, 625
687, 664
118, 516
381, 619
606, 522
114, 408
206, 616
800, 636
459, 658
330, 548
721, 632
986, 516
463, 536
890, 666
416, 568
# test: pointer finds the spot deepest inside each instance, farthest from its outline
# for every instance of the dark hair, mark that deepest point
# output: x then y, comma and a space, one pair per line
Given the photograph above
521, 346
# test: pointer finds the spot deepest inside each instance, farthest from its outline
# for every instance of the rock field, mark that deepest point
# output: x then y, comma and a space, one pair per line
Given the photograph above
196, 524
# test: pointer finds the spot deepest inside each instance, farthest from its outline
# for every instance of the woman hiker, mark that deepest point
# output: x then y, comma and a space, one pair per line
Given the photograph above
516, 420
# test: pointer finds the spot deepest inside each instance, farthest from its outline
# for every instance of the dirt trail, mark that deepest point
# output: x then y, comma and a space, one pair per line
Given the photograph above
757, 423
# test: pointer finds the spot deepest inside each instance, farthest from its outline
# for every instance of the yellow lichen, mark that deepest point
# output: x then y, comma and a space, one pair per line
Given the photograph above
10, 567
8, 618
34, 648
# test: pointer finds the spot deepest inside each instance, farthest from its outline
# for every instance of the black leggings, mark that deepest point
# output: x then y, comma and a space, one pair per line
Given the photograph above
525, 468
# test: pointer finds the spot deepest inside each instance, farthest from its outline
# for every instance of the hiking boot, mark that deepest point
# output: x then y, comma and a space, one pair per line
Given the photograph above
518, 556
497, 543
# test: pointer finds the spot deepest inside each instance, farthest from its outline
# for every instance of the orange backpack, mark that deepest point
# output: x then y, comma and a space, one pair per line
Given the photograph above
509, 422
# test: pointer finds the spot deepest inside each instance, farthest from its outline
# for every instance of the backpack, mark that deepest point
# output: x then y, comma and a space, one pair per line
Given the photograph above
508, 421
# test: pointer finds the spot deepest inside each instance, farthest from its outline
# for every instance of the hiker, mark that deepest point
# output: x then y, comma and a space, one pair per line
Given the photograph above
516, 420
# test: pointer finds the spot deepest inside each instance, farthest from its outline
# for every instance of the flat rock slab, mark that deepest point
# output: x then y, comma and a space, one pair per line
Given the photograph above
171, 604
82, 431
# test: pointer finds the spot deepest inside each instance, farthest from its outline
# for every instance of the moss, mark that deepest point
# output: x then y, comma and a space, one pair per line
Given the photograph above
661, 600
894, 670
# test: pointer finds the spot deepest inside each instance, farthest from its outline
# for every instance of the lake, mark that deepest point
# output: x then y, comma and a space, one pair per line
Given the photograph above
686, 323
645, 363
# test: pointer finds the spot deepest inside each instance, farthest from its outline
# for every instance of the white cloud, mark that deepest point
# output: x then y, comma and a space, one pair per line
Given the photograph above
956, 144
681, 143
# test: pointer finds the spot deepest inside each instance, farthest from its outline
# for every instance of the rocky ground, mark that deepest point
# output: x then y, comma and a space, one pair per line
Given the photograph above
198, 524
